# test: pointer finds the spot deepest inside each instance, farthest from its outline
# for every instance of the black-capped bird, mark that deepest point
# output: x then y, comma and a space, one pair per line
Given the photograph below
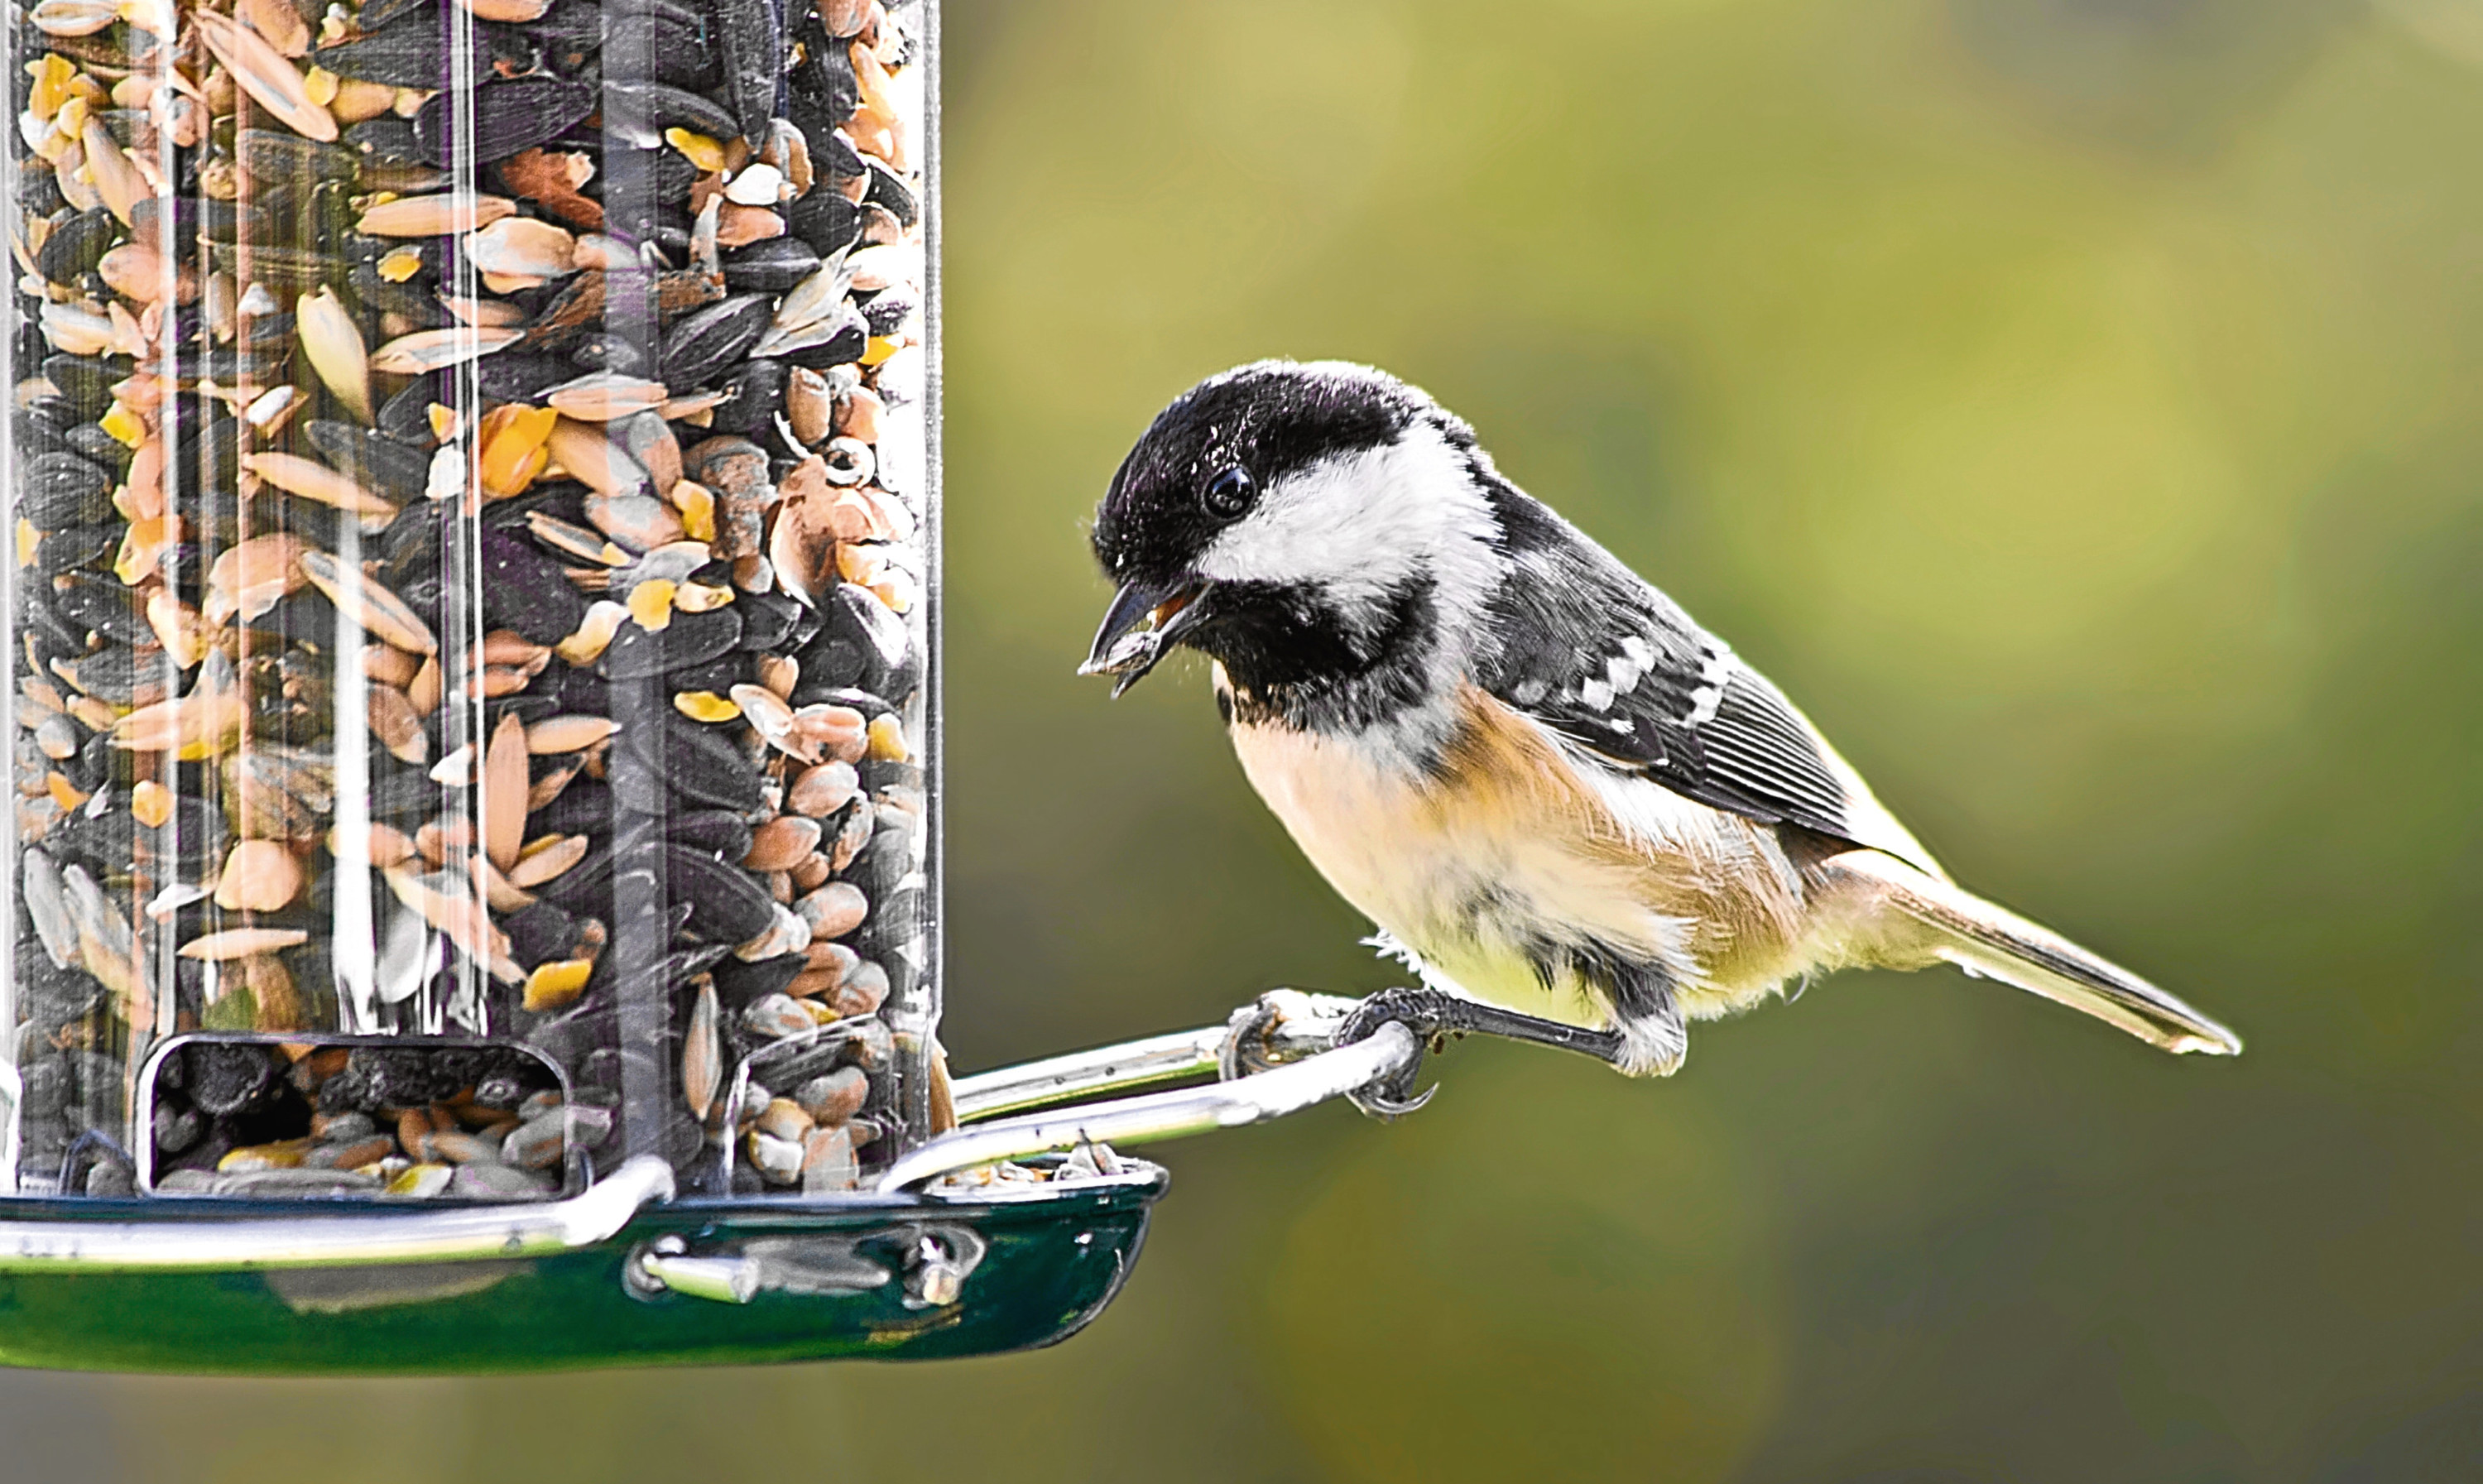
1576, 813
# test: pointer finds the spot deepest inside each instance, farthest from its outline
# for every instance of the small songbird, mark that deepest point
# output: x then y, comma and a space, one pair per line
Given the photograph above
1576, 813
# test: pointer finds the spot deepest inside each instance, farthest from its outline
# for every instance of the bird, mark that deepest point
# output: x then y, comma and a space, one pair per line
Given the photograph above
1581, 818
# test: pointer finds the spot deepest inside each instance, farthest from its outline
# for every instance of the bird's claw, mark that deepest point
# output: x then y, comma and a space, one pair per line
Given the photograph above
1418, 1011
1248, 1045
1384, 1108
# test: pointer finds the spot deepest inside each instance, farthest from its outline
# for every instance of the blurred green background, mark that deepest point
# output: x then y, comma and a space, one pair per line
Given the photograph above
2077, 405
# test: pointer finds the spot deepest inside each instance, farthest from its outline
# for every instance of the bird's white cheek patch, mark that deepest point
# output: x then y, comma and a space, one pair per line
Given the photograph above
1361, 525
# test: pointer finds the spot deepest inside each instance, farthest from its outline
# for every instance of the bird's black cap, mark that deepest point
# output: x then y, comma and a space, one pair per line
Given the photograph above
1271, 419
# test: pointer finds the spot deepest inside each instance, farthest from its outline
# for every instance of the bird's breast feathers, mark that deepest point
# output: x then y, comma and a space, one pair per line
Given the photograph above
1493, 845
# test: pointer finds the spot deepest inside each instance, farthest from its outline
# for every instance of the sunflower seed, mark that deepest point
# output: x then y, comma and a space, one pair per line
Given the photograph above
413, 53
752, 45
638, 112
381, 465
702, 344
508, 117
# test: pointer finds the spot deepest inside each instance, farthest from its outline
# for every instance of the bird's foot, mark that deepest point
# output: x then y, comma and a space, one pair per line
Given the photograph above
1278, 1027
1429, 1015
1434, 1016
1249, 1039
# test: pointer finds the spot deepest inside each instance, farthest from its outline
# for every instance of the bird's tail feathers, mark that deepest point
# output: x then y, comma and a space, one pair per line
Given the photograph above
1990, 941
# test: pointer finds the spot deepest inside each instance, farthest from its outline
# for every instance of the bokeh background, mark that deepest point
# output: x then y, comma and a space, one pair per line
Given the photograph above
2077, 405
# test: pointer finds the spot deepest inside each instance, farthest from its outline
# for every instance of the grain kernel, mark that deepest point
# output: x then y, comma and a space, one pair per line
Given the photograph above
705, 706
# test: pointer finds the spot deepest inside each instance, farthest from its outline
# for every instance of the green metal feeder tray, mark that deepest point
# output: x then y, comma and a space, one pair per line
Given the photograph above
1007, 1245
893, 1276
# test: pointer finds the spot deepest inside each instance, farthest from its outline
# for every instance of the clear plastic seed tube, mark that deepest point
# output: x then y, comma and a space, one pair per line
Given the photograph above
473, 477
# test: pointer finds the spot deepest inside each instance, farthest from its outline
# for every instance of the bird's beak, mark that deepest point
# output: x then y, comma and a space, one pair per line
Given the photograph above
1144, 621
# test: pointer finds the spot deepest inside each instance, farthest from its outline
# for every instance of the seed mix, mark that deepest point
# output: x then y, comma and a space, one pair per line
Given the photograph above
471, 478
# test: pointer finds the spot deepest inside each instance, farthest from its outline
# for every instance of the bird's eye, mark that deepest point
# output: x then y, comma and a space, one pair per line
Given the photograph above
1231, 493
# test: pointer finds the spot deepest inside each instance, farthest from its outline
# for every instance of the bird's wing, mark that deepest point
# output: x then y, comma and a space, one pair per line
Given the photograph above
1591, 651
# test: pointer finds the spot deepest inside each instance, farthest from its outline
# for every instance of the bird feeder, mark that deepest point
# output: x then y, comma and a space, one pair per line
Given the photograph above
473, 707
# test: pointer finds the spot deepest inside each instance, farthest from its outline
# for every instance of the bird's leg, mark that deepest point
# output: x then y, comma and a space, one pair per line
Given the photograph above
1431, 1014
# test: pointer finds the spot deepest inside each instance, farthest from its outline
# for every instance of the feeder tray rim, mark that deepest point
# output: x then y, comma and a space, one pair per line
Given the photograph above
347, 1237
204, 1233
